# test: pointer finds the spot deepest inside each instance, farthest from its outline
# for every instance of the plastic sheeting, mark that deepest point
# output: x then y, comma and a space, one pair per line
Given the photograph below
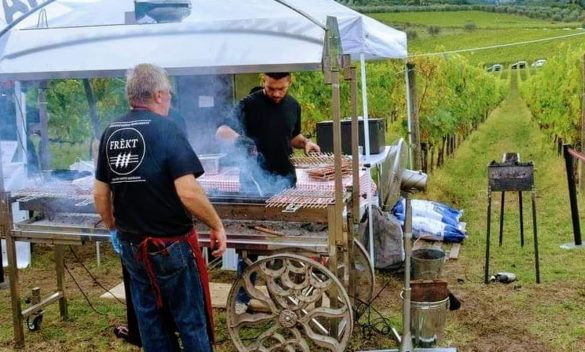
90, 38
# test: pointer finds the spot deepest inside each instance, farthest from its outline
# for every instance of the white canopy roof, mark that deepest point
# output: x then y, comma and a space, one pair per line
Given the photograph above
89, 38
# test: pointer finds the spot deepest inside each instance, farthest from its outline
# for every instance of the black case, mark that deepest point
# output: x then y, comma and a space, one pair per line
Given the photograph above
377, 129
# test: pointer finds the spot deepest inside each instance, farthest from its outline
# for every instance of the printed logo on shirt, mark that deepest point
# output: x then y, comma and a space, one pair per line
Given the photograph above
125, 150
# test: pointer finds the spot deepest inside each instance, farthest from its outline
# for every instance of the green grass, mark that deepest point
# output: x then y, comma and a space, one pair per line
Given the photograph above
524, 316
492, 30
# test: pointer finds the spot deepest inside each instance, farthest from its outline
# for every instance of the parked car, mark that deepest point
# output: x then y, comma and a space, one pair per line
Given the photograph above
495, 68
539, 63
519, 65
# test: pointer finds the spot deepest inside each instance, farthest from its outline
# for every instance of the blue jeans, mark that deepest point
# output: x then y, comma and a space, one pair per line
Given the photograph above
183, 301
243, 296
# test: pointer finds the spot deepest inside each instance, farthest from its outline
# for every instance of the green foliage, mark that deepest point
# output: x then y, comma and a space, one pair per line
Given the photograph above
68, 111
453, 96
553, 94
314, 98
69, 125
68, 108
570, 13
411, 34
433, 30
386, 97
470, 26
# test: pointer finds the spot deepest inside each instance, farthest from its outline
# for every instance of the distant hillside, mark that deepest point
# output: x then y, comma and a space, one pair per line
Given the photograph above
560, 3
550, 11
483, 38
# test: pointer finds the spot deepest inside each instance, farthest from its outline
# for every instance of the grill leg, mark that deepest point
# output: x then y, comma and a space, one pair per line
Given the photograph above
17, 321
502, 217
521, 219
487, 244
60, 270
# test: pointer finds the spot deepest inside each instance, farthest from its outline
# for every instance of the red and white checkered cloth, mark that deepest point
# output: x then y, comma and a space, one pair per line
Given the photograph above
228, 180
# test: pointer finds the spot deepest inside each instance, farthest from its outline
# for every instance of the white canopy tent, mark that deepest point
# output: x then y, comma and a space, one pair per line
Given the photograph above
99, 38
90, 38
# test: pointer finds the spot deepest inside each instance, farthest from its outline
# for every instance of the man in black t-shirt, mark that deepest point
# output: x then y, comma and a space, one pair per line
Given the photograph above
146, 190
271, 119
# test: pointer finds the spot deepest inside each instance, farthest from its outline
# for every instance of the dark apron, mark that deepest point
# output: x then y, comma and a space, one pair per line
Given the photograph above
163, 242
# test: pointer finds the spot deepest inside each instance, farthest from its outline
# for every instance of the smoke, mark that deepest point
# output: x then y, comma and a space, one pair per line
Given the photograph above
202, 102
254, 179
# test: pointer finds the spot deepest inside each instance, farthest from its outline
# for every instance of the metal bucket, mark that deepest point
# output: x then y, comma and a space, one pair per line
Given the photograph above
427, 322
427, 263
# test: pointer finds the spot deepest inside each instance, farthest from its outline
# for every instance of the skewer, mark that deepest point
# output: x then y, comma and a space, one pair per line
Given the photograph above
268, 231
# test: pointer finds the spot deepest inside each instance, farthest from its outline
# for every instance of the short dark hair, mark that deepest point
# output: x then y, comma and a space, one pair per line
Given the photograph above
277, 75
255, 89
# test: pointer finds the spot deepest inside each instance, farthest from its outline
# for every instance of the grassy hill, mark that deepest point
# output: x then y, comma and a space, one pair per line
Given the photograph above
491, 29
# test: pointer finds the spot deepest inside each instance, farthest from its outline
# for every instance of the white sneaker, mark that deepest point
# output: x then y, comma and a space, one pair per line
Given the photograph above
241, 307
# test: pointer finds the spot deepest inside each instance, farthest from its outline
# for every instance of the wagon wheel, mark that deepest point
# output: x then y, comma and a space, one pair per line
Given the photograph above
297, 310
362, 275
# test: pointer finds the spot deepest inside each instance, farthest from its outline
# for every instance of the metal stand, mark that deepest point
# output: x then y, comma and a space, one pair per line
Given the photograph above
511, 175
19, 316
406, 343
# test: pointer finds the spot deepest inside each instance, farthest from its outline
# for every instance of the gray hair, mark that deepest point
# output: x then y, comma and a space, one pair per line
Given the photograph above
143, 81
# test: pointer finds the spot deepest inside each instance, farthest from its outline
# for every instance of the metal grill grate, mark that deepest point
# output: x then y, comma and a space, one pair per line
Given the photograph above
317, 160
294, 199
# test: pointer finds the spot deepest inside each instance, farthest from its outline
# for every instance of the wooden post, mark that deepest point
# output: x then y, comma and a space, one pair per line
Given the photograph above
572, 195
415, 123
3, 222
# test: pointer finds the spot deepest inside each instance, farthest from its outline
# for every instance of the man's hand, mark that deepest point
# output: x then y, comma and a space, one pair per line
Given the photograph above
217, 242
311, 147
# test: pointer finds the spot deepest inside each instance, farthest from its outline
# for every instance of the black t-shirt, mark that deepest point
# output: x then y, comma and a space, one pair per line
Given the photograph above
140, 156
272, 127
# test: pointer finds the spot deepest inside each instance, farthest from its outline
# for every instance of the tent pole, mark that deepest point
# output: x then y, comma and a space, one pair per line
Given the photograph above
20, 108
408, 113
367, 158
302, 13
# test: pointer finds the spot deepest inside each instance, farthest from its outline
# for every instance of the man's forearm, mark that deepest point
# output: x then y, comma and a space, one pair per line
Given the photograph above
103, 204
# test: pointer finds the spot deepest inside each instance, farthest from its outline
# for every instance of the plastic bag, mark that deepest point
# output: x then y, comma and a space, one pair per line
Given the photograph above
429, 209
388, 241
432, 229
